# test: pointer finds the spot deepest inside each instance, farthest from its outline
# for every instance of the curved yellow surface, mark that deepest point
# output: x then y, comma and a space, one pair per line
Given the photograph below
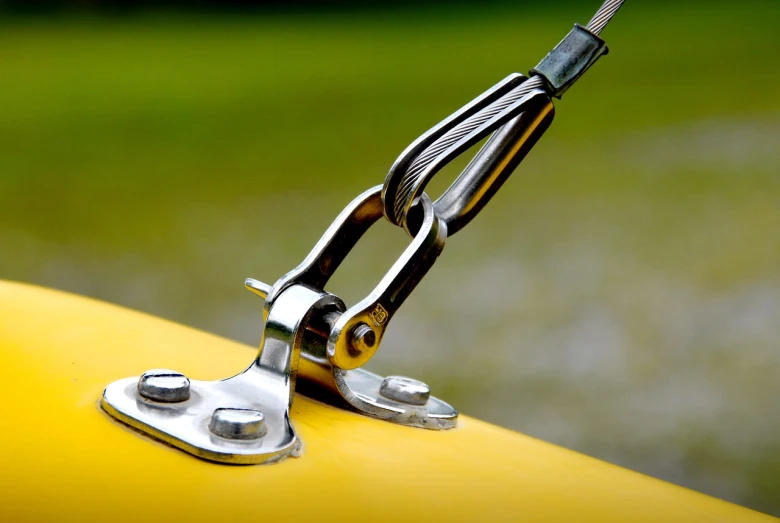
64, 459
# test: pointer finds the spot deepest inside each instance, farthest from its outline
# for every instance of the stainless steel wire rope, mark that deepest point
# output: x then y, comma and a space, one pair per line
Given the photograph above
417, 168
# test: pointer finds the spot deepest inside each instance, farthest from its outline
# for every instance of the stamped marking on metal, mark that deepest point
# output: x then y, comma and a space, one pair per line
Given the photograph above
379, 315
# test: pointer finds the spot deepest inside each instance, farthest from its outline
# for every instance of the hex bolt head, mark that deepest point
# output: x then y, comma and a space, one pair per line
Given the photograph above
167, 386
362, 338
405, 390
238, 423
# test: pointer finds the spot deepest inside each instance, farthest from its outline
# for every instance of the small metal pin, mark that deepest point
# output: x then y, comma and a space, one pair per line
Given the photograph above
405, 390
362, 338
258, 287
238, 423
164, 385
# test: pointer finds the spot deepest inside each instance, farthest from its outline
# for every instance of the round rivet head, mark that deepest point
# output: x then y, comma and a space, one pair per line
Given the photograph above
405, 390
238, 423
164, 385
362, 338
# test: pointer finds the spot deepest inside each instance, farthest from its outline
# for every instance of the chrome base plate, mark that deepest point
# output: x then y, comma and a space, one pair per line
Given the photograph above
186, 424
360, 389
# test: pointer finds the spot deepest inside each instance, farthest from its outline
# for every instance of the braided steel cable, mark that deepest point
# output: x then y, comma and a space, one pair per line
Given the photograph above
421, 162
603, 16
424, 159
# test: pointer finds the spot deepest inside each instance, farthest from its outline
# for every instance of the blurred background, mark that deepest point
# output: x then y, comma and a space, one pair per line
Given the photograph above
620, 296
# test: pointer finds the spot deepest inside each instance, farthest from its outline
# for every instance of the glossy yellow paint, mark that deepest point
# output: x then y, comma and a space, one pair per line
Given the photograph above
65, 459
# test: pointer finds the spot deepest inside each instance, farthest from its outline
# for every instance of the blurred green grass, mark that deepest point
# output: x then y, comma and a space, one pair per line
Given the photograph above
156, 160
173, 100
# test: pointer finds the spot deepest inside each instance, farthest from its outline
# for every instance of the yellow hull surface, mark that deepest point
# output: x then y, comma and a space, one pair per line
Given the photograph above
64, 459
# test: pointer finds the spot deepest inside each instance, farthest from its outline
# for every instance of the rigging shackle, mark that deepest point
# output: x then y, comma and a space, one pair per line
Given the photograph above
355, 336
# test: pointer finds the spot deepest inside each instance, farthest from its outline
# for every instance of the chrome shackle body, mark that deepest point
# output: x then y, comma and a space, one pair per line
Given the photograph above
356, 334
338, 341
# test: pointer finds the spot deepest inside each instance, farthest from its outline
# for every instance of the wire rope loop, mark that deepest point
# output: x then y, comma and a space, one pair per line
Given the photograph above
516, 111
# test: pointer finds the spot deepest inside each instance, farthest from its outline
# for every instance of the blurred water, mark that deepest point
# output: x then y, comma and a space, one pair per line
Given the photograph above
621, 295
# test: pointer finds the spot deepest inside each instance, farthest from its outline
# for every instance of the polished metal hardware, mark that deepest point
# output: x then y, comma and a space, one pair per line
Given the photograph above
516, 111
308, 331
311, 334
516, 116
264, 392
164, 385
238, 423
569, 60
340, 341
350, 344
405, 390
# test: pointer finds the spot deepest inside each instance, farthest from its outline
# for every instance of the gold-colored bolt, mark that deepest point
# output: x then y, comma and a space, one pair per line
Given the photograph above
363, 338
